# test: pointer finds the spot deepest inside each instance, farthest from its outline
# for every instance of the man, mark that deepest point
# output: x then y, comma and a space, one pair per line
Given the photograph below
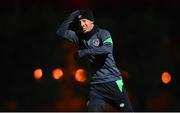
96, 45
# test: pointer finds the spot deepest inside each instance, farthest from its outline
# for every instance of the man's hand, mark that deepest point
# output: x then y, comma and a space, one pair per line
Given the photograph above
75, 13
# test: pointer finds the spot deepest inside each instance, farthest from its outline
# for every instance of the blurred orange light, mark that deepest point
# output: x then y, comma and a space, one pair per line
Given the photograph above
38, 74
57, 73
166, 77
80, 75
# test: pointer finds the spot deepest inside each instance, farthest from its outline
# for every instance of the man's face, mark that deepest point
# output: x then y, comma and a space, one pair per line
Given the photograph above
87, 25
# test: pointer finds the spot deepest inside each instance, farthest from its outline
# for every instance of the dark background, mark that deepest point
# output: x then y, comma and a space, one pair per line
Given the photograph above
146, 43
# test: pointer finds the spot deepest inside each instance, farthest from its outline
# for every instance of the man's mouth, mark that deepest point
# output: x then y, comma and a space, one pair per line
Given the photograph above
84, 29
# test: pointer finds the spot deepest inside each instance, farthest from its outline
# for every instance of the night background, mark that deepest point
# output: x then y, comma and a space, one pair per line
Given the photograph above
146, 44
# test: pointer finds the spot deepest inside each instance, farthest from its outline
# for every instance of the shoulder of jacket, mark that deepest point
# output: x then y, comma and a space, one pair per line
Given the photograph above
103, 32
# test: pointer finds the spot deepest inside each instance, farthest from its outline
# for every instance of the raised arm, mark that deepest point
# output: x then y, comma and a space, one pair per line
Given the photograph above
64, 29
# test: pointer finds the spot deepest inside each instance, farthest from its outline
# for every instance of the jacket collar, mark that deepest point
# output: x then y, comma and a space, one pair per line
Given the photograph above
88, 35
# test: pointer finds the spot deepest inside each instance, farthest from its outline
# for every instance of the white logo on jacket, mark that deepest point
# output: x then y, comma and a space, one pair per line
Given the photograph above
96, 42
80, 16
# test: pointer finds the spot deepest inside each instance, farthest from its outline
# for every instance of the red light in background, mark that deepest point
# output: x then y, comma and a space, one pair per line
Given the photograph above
80, 75
166, 77
57, 73
38, 74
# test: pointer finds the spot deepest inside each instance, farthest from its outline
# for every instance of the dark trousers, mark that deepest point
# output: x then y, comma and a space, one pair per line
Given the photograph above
108, 93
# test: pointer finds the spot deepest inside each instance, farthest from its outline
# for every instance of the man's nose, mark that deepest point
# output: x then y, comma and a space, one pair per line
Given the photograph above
82, 24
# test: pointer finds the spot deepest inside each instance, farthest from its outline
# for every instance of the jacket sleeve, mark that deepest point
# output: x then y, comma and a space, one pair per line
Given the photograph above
64, 31
105, 48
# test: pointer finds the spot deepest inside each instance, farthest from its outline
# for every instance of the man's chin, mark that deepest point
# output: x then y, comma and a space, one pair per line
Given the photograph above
84, 31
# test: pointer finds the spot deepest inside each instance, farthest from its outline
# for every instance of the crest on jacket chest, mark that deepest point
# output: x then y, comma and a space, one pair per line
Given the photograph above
91, 43
95, 42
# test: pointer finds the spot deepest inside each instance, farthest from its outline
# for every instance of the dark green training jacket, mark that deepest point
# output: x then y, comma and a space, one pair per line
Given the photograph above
95, 46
